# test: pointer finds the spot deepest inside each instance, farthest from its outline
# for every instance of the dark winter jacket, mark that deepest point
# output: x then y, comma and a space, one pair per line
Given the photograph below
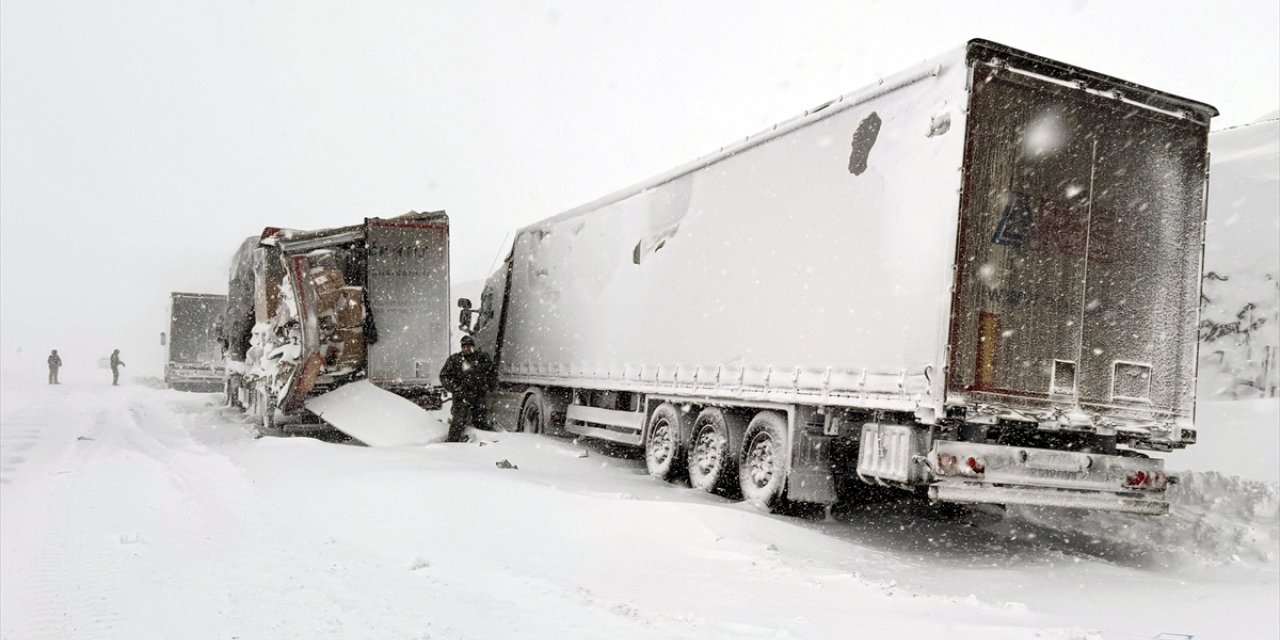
116, 362
467, 376
55, 361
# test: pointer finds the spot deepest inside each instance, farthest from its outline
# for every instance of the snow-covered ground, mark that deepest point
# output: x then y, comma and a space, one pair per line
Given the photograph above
133, 512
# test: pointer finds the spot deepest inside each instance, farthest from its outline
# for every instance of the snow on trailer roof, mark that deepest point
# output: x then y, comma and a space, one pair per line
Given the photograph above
976, 49
1092, 81
298, 240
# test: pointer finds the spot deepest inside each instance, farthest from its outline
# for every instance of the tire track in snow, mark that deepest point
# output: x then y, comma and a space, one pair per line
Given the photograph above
257, 576
67, 588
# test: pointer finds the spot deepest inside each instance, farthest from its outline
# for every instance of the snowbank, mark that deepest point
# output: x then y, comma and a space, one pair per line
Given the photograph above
1214, 520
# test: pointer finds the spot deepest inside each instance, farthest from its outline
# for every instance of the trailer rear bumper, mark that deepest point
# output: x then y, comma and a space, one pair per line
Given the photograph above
194, 378
981, 493
998, 474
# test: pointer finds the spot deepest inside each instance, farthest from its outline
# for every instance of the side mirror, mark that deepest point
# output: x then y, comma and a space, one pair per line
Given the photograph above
162, 341
464, 316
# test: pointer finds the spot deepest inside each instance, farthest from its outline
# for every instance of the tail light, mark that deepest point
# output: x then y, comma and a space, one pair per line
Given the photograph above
1153, 480
975, 465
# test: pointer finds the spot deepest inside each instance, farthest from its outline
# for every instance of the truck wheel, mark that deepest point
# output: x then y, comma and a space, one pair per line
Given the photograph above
763, 465
664, 449
712, 464
533, 413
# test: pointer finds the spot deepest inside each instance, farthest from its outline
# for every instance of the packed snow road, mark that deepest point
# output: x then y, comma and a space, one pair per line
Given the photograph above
132, 512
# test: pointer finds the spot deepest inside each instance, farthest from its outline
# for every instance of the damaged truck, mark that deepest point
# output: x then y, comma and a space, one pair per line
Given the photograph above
977, 280
193, 359
311, 311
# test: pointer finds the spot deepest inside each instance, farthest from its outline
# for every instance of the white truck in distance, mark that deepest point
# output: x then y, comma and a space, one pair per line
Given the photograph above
193, 358
977, 279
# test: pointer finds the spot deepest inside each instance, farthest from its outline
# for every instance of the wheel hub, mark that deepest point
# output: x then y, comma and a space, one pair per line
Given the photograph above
706, 452
661, 443
760, 462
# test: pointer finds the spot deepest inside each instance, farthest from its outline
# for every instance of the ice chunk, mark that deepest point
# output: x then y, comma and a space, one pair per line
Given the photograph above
376, 416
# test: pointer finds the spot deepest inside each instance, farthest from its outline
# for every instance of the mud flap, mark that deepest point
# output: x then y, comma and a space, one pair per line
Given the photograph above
812, 477
377, 417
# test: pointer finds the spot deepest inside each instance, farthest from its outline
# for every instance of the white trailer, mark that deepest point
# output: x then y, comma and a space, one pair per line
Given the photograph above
978, 278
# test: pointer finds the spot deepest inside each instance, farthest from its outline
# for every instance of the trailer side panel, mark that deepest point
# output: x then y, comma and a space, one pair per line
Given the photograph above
812, 262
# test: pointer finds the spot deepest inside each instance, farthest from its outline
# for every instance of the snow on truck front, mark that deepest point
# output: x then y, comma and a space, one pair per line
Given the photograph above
1076, 301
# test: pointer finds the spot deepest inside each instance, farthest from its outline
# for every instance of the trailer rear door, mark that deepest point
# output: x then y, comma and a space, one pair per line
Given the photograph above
1079, 254
192, 338
408, 292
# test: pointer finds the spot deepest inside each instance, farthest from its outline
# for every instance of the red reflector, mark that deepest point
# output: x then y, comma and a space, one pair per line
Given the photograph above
975, 465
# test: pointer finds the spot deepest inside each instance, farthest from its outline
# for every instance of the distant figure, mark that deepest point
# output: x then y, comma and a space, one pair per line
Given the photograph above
468, 376
116, 363
55, 361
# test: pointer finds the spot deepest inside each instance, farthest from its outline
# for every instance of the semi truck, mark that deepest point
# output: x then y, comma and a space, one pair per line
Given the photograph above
310, 311
193, 358
977, 280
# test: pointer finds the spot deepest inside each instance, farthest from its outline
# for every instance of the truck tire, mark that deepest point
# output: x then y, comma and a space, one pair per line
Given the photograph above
712, 461
762, 465
533, 412
664, 444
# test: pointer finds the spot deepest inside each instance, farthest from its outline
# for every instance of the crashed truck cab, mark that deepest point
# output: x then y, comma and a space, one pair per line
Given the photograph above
336, 306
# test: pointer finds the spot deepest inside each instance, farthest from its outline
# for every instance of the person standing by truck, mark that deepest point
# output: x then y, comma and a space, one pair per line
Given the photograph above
55, 362
116, 363
468, 375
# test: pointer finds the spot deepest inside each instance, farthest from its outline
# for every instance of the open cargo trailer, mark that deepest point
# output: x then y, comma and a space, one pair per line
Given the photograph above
193, 356
978, 279
334, 306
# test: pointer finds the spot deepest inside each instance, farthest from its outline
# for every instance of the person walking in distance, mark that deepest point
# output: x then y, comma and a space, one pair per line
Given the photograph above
468, 375
55, 361
116, 363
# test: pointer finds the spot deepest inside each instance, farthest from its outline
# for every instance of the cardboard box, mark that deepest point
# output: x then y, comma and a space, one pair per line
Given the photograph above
347, 350
350, 309
325, 278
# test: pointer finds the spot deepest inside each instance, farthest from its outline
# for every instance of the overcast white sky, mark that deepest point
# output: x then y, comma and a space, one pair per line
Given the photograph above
140, 141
